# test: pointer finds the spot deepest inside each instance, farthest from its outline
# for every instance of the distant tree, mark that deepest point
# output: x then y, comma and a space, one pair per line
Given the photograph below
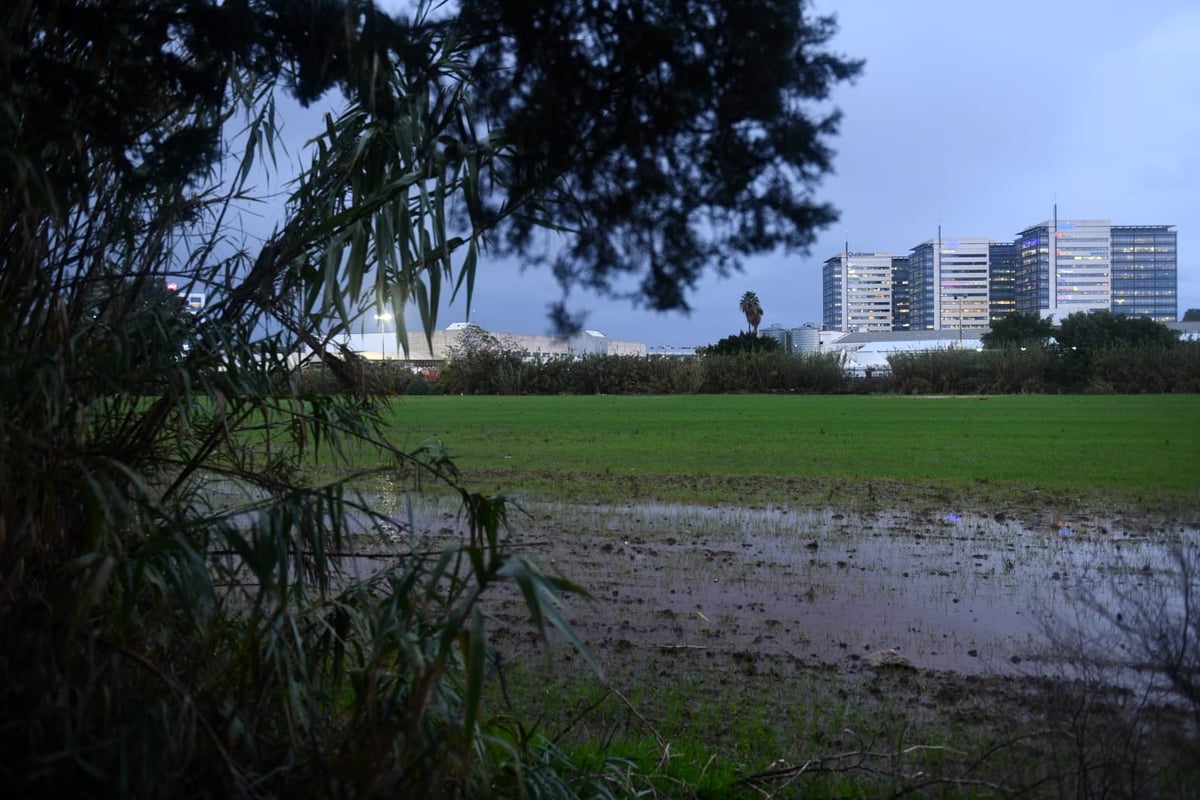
478, 363
747, 342
1085, 330
752, 308
1019, 330
1191, 315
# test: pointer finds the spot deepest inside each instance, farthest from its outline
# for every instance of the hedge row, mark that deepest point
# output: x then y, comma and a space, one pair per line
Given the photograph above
1118, 370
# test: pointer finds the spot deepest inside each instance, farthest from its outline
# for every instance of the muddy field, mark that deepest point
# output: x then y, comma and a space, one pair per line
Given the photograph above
949, 590
777, 635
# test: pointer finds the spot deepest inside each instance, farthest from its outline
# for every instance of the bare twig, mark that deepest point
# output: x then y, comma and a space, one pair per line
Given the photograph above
657, 736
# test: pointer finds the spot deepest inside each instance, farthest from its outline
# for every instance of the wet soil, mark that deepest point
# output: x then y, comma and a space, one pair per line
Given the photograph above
950, 590
775, 612
754, 627
958, 591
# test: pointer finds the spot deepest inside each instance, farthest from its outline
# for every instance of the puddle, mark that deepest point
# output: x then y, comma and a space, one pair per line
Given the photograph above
969, 594
950, 590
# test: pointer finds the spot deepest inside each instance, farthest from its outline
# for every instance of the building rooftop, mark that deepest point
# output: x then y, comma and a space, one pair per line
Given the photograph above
946, 334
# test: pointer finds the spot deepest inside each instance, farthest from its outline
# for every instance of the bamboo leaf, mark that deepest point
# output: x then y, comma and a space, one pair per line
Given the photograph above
474, 662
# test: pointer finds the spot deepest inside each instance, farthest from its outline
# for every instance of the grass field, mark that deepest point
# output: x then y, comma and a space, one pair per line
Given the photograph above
723, 660
1140, 450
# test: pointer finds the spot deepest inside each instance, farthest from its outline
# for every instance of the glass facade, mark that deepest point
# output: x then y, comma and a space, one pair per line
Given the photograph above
832, 281
1082, 267
1031, 283
962, 284
857, 292
1145, 272
1064, 266
921, 280
1003, 259
948, 280
901, 291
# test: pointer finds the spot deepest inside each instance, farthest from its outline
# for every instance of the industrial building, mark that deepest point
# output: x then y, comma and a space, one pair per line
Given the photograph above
385, 344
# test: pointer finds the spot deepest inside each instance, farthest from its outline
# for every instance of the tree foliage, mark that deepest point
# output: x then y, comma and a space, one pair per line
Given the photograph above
663, 140
1098, 329
752, 308
745, 342
481, 363
174, 588
1019, 330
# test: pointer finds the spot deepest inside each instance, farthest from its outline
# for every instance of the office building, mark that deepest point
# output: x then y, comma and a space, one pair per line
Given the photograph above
901, 294
1054, 269
1145, 272
921, 271
949, 283
1064, 266
1003, 258
857, 292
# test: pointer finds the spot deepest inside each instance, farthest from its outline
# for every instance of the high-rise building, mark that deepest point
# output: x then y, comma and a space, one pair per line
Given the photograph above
857, 292
1145, 272
1064, 266
949, 283
1055, 268
921, 272
1003, 258
901, 295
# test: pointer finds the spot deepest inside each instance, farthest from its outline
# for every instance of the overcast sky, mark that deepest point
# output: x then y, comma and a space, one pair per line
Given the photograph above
979, 116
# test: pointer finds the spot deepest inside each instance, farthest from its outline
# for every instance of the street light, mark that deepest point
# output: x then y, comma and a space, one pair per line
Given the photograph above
959, 298
384, 318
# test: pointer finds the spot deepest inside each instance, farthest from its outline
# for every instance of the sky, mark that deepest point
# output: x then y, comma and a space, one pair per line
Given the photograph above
975, 116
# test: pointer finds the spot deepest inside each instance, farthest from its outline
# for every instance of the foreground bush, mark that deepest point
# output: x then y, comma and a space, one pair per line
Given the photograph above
183, 611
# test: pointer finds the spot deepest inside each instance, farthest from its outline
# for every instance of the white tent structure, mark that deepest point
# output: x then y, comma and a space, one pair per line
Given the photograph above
867, 353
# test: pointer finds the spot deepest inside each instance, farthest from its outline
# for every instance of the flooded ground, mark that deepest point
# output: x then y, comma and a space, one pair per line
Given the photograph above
950, 591
753, 635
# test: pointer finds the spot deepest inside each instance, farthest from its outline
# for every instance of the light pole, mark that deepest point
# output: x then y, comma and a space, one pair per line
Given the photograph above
958, 299
383, 318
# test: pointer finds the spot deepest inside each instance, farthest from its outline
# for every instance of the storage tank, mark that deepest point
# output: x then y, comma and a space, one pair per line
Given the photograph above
806, 339
777, 333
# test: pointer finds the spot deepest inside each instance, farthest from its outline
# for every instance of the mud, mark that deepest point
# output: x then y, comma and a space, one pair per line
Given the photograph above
950, 590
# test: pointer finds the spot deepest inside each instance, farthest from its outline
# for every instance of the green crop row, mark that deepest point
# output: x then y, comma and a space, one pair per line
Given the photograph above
1143, 450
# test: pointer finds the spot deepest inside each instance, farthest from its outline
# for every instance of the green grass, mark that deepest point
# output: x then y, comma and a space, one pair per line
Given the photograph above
1141, 450
697, 730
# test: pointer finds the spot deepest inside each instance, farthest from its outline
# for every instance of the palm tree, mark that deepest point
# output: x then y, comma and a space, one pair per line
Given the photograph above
752, 308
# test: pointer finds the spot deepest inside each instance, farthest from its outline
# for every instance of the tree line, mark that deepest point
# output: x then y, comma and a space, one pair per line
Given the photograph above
1098, 352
